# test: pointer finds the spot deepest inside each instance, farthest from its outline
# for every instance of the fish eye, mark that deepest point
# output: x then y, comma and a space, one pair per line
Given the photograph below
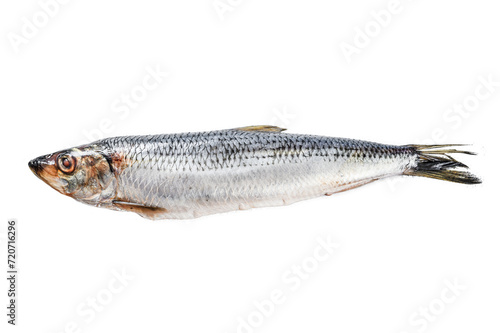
66, 163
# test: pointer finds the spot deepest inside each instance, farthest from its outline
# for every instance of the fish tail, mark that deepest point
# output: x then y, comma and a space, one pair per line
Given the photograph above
434, 161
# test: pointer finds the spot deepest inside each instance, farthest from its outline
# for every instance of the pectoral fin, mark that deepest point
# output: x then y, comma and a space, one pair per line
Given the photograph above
148, 212
261, 128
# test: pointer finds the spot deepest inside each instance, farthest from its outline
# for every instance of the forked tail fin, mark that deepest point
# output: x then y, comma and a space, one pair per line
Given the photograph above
433, 161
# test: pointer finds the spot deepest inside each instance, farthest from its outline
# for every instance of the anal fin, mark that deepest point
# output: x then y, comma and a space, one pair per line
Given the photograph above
350, 186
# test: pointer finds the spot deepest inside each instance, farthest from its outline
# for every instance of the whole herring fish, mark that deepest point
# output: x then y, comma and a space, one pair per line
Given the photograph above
188, 175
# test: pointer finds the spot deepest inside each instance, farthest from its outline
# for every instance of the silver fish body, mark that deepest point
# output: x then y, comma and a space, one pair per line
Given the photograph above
195, 174
188, 175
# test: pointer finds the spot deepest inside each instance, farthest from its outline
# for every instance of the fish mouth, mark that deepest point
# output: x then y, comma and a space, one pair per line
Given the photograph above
44, 168
35, 165
40, 164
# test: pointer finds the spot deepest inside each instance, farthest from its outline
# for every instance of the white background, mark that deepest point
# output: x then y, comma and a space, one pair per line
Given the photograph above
262, 62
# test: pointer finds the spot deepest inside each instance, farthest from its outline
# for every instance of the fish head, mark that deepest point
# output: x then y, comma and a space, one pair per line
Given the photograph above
83, 173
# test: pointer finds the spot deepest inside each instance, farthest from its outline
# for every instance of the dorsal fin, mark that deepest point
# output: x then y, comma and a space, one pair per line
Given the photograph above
261, 128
